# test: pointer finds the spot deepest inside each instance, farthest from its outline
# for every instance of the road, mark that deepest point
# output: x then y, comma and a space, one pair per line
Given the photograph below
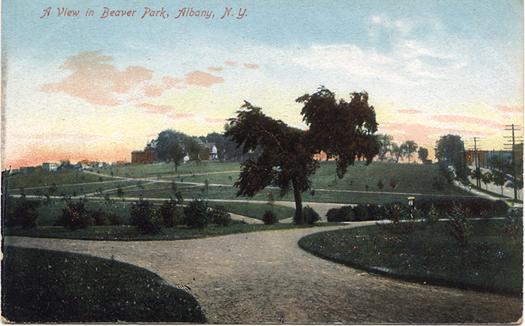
265, 277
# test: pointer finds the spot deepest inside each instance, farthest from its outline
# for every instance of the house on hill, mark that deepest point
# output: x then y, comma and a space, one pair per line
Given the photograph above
49, 167
143, 157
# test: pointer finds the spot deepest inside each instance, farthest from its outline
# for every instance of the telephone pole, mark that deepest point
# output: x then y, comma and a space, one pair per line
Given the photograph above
513, 144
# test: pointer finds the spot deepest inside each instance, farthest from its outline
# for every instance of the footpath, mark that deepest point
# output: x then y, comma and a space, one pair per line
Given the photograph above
265, 277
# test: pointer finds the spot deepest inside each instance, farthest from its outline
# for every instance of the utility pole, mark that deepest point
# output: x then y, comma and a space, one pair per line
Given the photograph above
512, 128
477, 170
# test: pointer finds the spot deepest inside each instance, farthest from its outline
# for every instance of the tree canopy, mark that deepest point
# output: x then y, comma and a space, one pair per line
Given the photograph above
343, 130
449, 149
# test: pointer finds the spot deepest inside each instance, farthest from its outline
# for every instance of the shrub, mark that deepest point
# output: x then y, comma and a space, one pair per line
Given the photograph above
170, 214
360, 213
74, 216
23, 214
459, 226
310, 215
99, 218
220, 216
500, 207
342, 214
196, 214
374, 212
145, 218
270, 218
113, 219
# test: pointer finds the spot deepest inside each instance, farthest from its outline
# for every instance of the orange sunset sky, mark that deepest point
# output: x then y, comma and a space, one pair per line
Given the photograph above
85, 87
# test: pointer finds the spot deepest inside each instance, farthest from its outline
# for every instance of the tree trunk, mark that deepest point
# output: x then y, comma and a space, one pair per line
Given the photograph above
298, 218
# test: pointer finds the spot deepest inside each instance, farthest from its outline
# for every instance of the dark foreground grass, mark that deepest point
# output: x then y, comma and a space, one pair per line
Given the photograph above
131, 233
491, 261
256, 211
41, 286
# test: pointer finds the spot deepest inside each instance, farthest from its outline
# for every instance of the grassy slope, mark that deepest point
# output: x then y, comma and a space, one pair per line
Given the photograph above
492, 260
69, 288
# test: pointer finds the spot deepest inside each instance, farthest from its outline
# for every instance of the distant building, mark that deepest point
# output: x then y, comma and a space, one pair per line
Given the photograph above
143, 157
49, 167
212, 150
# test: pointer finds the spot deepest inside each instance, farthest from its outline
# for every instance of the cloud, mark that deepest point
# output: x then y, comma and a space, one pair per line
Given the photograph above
96, 81
203, 79
457, 119
508, 109
158, 88
421, 133
230, 63
216, 69
251, 66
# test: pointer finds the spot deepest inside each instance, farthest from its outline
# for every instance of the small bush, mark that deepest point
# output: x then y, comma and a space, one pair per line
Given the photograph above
360, 213
75, 216
170, 214
269, 218
99, 218
374, 212
459, 226
145, 218
113, 219
196, 214
500, 207
310, 215
342, 214
23, 214
220, 216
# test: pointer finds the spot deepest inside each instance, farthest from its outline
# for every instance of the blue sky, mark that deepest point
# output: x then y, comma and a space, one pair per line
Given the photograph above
98, 88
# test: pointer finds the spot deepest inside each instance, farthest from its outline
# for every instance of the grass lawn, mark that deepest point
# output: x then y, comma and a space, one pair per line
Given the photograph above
124, 232
46, 179
255, 210
53, 287
492, 260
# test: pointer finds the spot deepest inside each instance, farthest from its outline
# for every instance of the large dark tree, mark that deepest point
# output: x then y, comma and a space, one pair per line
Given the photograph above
449, 149
175, 155
342, 130
165, 142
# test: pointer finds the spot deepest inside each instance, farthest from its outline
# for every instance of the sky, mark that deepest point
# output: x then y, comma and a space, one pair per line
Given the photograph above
100, 83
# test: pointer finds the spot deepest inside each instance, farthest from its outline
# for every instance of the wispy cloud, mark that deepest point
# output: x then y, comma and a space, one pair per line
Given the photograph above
251, 66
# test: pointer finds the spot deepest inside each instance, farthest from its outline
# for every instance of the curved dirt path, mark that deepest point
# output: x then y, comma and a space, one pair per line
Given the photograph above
266, 278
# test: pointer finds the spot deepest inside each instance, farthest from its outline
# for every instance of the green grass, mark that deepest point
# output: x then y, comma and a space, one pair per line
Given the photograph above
46, 179
149, 170
255, 210
491, 261
53, 287
130, 233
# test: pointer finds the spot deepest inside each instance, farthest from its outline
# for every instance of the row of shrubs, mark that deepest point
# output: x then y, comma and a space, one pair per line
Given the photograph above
143, 215
310, 216
476, 207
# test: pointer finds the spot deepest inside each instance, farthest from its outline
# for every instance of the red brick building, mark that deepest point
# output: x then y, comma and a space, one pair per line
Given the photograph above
143, 157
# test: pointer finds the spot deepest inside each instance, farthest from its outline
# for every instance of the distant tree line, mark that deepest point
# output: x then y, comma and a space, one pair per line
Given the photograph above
391, 151
173, 146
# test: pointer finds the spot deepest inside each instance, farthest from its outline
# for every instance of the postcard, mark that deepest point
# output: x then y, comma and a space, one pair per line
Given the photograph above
262, 162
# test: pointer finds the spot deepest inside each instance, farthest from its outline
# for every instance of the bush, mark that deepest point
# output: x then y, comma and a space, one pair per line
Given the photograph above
459, 226
196, 214
374, 212
342, 214
500, 207
170, 214
145, 218
113, 219
99, 218
310, 215
270, 218
360, 213
23, 214
75, 216
220, 216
